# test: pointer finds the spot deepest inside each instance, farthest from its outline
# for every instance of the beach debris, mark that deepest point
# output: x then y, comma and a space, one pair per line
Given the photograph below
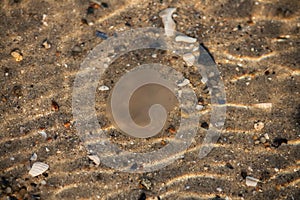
46, 44
95, 159
259, 126
38, 168
183, 83
169, 24
33, 157
252, 182
189, 58
186, 39
145, 183
76, 50
103, 88
101, 34
54, 105
17, 55
278, 141
43, 133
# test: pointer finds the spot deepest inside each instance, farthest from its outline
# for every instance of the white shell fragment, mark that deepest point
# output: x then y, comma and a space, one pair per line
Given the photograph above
43, 134
186, 39
95, 159
189, 58
199, 107
250, 181
183, 83
103, 88
38, 168
259, 126
33, 157
169, 24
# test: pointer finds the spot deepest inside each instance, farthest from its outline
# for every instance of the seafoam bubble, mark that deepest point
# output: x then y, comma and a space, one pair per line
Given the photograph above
169, 24
38, 168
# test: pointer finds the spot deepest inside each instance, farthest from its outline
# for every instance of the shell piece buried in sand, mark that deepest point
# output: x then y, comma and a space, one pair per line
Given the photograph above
38, 168
169, 24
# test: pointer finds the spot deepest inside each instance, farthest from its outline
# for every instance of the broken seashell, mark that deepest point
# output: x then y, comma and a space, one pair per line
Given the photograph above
38, 168
184, 38
95, 159
189, 58
169, 24
250, 181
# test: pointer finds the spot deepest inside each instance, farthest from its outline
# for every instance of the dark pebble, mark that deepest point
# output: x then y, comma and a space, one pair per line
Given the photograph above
104, 5
101, 35
204, 125
244, 174
90, 10
278, 141
142, 196
229, 165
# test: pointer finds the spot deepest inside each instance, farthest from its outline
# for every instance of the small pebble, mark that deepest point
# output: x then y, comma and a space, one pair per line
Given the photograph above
17, 55
101, 34
259, 126
262, 140
46, 44
8, 190
43, 182
76, 50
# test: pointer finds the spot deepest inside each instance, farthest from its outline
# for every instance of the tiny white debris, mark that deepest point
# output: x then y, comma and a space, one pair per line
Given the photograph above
183, 83
47, 150
38, 168
259, 126
103, 88
154, 55
219, 189
33, 157
95, 159
250, 181
43, 134
189, 58
199, 107
169, 24
276, 169
184, 38
266, 136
